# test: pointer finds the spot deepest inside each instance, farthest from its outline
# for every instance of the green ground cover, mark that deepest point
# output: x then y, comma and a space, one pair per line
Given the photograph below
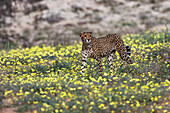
48, 79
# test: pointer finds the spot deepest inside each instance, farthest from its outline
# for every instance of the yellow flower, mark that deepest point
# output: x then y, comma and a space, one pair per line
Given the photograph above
156, 99
137, 104
56, 111
167, 81
96, 91
74, 107
110, 89
26, 93
78, 102
79, 88
63, 104
42, 109
72, 89
165, 111
114, 78
90, 108
101, 105
159, 107
35, 102
112, 103
125, 82
112, 111
138, 84
132, 96
91, 103
127, 101
7, 63
32, 90
166, 103
152, 110
149, 74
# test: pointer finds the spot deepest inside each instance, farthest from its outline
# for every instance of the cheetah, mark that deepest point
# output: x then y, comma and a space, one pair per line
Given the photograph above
104, 46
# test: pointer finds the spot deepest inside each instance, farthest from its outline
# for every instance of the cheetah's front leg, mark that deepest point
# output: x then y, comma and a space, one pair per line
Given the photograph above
110, 60
99, 61
84, 60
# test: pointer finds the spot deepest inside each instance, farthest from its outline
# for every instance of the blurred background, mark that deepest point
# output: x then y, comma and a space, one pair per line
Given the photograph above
28, 23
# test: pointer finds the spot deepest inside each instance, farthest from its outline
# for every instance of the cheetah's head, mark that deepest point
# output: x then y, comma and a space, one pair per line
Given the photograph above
86, 37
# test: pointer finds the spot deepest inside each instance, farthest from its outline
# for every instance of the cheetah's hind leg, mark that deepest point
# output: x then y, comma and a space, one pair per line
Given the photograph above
110, 58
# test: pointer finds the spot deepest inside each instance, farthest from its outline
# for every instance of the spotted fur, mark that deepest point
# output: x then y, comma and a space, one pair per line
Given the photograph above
105, 46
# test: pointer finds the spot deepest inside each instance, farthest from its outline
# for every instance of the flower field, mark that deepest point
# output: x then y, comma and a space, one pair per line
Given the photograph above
48, 79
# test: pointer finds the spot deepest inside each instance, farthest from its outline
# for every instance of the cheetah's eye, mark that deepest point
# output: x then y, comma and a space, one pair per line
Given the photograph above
85, 36
90, 35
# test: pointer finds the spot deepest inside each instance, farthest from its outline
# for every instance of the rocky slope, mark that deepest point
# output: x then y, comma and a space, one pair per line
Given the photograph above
60, 21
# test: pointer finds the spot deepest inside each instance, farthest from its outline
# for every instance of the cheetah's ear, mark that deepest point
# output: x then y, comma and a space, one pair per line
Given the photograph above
80, 33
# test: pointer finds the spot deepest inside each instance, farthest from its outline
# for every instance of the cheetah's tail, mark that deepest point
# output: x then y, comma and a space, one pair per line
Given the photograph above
128, 50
